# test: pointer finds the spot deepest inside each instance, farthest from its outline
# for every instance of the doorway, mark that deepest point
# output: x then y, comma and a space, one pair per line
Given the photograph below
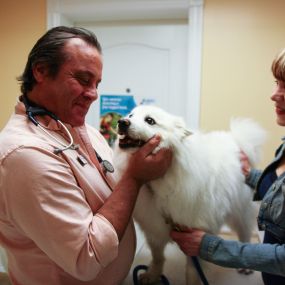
177, 24
148, 61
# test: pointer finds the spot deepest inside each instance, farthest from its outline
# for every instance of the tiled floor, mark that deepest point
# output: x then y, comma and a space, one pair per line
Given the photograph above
4, 280
175, 268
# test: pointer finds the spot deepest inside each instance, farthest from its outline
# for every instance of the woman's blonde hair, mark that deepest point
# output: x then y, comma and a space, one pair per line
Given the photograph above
278, 66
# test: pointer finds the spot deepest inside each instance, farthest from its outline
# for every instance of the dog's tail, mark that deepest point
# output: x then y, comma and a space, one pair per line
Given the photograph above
250, 136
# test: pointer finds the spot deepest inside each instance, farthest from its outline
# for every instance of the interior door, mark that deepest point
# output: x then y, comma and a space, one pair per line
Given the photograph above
144, 60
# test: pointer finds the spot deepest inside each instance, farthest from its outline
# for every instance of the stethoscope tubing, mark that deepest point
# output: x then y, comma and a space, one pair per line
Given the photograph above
33, 111
64, 146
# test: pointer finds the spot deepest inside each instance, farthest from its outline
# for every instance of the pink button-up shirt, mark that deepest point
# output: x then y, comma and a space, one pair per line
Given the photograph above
48, 206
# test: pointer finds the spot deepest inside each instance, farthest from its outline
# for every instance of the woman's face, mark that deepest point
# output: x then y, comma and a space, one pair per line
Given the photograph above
278, 97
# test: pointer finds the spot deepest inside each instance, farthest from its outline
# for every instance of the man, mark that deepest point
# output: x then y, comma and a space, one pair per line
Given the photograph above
63, 218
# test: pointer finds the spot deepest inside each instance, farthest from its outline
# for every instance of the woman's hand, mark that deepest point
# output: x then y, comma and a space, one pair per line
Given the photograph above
189, 240
245, 165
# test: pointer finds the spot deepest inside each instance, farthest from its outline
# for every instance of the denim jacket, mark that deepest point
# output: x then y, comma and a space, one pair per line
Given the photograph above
268, 258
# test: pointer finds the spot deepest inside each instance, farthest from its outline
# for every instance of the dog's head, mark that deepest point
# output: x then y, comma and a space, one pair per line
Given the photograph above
144, 122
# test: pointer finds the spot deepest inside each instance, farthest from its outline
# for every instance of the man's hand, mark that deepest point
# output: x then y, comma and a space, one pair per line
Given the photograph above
145, 165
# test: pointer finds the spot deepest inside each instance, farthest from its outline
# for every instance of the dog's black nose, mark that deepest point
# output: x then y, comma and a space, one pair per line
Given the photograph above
123, 124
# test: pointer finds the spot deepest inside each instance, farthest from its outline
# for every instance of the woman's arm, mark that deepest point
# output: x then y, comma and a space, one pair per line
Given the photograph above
268, 258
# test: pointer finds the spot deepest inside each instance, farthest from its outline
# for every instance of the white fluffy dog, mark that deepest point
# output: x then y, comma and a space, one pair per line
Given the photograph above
204, 186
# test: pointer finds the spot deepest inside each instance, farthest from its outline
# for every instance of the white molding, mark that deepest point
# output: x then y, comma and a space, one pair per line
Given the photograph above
116, 10
68, 12
55, 15
194, 74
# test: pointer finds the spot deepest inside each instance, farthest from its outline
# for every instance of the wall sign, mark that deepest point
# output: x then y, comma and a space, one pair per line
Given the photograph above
112, 108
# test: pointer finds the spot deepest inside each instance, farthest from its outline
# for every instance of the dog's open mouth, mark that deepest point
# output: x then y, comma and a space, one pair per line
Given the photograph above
127, 142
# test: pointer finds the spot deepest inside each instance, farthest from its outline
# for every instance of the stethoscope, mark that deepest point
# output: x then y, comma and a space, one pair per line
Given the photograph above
33, 110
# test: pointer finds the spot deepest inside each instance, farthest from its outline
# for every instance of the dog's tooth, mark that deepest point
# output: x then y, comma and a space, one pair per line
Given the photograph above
121, 137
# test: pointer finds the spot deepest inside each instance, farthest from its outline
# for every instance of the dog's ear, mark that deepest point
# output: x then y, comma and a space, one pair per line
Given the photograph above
187, 133
181, 127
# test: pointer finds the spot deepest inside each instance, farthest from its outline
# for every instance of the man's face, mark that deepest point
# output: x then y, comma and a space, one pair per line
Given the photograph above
70, 94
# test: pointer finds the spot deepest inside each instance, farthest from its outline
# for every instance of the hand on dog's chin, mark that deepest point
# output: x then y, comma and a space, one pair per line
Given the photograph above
157, 149
161, 145
132, 147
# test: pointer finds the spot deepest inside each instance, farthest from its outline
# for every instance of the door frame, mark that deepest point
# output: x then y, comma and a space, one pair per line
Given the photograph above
68, 12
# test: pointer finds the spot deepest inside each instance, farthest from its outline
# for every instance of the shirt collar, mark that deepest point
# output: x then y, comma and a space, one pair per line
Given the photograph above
45, 121
49, 123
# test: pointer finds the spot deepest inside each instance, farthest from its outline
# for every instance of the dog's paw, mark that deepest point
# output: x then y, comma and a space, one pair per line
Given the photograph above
244, 271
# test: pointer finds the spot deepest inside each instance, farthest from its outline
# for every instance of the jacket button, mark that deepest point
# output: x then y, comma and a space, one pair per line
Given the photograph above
263, 226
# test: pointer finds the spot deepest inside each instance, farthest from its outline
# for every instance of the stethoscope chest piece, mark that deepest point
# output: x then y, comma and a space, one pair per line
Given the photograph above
107, 166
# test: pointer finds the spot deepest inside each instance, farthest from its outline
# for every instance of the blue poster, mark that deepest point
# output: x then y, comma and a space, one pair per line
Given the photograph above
112, 108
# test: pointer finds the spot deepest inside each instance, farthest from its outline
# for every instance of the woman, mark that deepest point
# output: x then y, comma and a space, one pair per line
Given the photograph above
269, 257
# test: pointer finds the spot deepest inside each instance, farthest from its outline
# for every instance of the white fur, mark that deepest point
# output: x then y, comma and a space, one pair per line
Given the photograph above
204, 186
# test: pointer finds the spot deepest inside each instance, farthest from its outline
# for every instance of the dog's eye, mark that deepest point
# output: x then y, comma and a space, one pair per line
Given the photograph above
150, 120
130, 115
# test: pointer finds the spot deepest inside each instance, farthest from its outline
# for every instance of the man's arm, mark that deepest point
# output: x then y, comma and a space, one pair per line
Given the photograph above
143, 167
